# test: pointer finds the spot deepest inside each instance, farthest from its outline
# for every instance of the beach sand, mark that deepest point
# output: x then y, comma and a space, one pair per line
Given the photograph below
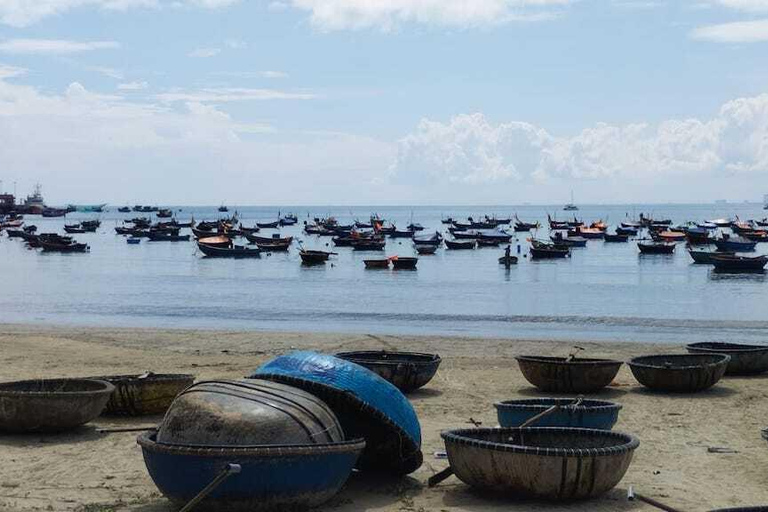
88, 471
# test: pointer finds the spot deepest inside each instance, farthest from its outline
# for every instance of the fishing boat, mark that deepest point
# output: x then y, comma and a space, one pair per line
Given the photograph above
435, 239
588, 233
426, 249
51, 405
377, 263
617, 237
408, 371
163, 237
404, 262
705, 257
164, 213
223, 209
569, 241
54, 212
571, 207
216, 241
551, 464
124, 209
668, 236
745, 359
735, 244
679, 373
698, 236
133, 241
460, 244
522, 227
598, 414
310, 257
488, 242
274, 245
734, 263
446, 220
396, 233
556, 224
268, 225
289, 220
656, 247
63, 247
568, 374
508, 260
415, 227
232, 251
721, 223
759, 236
372, 244
367, 406
543, 250
464, 234
74, 229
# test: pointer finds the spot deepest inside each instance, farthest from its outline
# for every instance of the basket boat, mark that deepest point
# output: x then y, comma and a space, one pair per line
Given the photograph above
745, 359
408, 371
51, 405
144, 395
596, 414
564, 375
559, 464
679, 373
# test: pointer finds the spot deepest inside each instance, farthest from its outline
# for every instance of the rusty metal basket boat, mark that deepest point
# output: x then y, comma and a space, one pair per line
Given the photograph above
546, 463
568, 375
408, 371
51, 405
745, 359
679, 373
144, 394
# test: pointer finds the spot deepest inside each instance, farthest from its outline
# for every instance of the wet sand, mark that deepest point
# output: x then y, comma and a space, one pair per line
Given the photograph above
87, 471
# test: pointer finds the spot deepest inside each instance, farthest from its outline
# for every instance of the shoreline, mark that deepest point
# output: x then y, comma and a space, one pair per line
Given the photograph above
82, 470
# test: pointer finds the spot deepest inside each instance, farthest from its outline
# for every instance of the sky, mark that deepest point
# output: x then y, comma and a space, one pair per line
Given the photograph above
320, 102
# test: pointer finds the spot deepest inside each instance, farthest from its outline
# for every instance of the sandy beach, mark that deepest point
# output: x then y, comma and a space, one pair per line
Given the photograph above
88, 471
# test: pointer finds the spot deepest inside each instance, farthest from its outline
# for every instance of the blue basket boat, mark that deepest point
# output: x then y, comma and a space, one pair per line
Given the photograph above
287, 477
596, 414
366, 405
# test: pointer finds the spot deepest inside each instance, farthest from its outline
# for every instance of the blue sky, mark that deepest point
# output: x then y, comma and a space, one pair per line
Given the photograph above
389, 102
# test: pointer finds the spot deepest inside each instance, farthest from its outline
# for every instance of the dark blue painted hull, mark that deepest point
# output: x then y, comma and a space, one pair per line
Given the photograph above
272, 478
590, 414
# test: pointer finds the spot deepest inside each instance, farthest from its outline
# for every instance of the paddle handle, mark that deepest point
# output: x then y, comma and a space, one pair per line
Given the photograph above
231, 469
632, 495
439, 477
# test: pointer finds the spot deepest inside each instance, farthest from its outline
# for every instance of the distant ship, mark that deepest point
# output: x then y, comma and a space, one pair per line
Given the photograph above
765, 202
571, 207
223, 209
34, 203
87, 208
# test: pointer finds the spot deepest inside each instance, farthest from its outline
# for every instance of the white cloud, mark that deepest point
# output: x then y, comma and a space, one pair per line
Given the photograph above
736, 32
132, 86
227, 94
471, 150
21, 13
274, 74
204, 53
10, 71
388, 14
746, 5
108, 72
53, 46
235, 44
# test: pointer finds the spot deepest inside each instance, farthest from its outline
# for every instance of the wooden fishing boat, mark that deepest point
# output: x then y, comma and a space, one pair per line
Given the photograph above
568, 375
508, 260
162, 237
679, 373
401, 234
231, 251
460, 244
74, 229
589, 233
568, 241
557, 225
553, 464
164, 213
415, 227
522, 227
616, 238
215, 241
268, 225
367, 406
206, 233
373, 244
144, 394
432, 240
310, 257
255, 239
543, 251
756, 235
705, 257
734, 263
378, 263
735, 244
274, 246
656, 247
602, 226
278, 437
426, 249
408, 371
133, 241
124, 209
497, 236
669, 236
223, 209
54, 212
51, 405
485, 242
597, 414
745, 359
63, 247
404, 262
698, 236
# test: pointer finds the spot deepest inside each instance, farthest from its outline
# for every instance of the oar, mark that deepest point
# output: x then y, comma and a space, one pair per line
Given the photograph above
231, 469
447, 472
632, 495
109, 430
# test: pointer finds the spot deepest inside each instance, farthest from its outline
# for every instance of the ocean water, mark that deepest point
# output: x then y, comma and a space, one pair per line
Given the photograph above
603, 292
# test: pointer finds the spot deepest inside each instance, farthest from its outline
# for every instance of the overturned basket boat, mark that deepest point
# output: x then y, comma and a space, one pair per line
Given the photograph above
51, 405
145, 394
249, 446
367, 406
745, 359
545, 463
596, 414
568, 375
679, 373
406, 370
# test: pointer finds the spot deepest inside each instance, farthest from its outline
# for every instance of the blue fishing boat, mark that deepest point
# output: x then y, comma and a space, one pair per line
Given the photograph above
367, 406
735, 244
597, 414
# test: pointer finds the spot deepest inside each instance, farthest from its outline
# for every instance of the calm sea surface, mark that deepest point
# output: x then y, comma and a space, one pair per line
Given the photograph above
603, 292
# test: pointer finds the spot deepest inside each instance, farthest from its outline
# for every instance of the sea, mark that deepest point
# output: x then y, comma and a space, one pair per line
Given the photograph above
603, 292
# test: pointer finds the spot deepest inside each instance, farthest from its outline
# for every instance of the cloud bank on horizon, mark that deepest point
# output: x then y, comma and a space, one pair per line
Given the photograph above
224, 121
